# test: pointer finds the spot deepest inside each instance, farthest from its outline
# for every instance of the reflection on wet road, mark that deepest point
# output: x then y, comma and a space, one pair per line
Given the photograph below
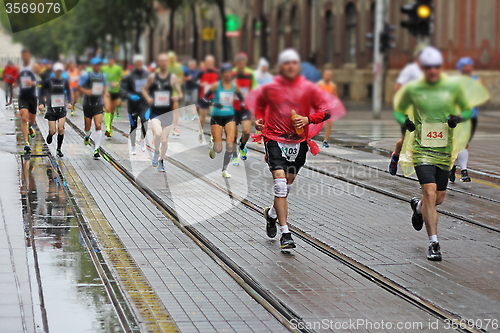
72, 297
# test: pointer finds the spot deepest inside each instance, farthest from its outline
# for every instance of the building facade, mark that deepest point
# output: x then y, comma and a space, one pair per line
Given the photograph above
333, 33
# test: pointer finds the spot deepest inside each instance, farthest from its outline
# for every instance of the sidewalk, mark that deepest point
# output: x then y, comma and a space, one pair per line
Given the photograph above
16, 305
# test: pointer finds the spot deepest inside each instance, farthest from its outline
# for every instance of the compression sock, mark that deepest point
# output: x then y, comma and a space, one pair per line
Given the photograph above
97, 138
462, 158
107, 121
60, 138
227, 159
433, 239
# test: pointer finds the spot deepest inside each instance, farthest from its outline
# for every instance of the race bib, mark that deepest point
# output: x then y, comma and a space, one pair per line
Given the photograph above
290, 151
24, 81
244, 91
97, 88
57, 101
226, 98
434, 135
162, 98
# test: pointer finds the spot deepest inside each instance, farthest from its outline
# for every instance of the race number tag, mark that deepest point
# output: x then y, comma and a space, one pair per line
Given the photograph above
244, 91
57, 101
162, 98
434, 135
290, 151
226, 98
24, 81
97, 88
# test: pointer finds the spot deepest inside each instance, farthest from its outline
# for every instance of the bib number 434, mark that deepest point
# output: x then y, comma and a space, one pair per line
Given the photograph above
435, 135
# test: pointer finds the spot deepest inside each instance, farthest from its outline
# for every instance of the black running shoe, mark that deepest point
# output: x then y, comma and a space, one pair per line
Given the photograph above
271, 228
97, 153
27, 149
434, 253
49, 139
453, 173
417, 220
287, 241
59, 153
465, 176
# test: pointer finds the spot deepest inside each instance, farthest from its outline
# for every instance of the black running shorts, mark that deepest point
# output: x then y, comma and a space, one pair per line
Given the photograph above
114, 96
276, 159
240, 116
91, 111
52, 115
29, 103
221, 120
431, 174
473, 125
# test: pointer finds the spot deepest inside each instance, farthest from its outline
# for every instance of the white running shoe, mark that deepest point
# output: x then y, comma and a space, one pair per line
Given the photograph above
211, 151
226, 174
143, 145
132, 150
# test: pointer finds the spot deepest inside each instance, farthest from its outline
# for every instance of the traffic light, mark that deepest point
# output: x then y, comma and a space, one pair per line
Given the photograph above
419, 17
386, 38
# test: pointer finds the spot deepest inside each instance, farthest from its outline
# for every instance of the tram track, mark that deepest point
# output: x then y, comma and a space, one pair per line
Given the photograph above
363, 270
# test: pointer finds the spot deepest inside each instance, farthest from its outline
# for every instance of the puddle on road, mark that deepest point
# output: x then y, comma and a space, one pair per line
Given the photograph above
73, 298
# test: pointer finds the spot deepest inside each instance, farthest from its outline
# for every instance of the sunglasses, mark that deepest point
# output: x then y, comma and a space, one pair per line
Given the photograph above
430, 67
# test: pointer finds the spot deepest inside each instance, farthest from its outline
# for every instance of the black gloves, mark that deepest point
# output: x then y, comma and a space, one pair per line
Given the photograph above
409, 125
218, 105
454, 120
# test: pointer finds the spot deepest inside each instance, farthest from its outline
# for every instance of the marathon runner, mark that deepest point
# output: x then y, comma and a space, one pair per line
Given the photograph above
92, 86
207, 78
223, 115
74, 76
158, 92
245, 80
27, 97
329, 87
410, 72
9, 75
114, 74
190, 79
175, 68
58, 97
466, 66
131, 90
289, 112
431, 108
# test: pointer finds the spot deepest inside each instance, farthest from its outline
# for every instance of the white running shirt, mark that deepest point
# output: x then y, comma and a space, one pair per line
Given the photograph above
411, 72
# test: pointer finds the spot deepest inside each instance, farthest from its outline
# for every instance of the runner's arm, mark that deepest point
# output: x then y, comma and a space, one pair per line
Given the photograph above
210, 91
148, 84
124, 88
174, 81
319, 105
67, 90
45, 86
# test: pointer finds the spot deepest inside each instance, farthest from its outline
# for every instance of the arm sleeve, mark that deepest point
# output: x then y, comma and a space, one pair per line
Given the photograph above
400, 117
466, 115
124, 88
319, 104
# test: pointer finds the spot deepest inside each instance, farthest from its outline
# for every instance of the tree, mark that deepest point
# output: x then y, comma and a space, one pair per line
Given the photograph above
173, 5
222, 12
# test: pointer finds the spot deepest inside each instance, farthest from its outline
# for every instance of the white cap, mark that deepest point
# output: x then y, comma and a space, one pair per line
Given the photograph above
138, 57
430, 56
58, 67
288, 55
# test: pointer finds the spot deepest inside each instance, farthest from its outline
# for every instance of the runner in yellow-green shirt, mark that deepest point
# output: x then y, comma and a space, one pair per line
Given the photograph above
175, 68
114, 74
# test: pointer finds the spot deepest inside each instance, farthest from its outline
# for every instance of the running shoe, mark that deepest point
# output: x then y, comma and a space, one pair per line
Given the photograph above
72, 112
97, 152
194, 117
434, 252
236, 160
393, 166
156, 157
211, 151
86, 140
59, 153
287, 241
132, 150
271, 228
49, 139
465, 176
118, 112
161, 168
27, 148
176, 132
185, 116
243, 153
143, 145
226, 174
416, 220
453, 173
325, 144
107, 133
201, 138
31, 131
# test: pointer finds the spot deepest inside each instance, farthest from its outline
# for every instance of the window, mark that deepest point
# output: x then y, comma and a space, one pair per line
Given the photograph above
350, 32
281, 30
295, 28
328, 36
